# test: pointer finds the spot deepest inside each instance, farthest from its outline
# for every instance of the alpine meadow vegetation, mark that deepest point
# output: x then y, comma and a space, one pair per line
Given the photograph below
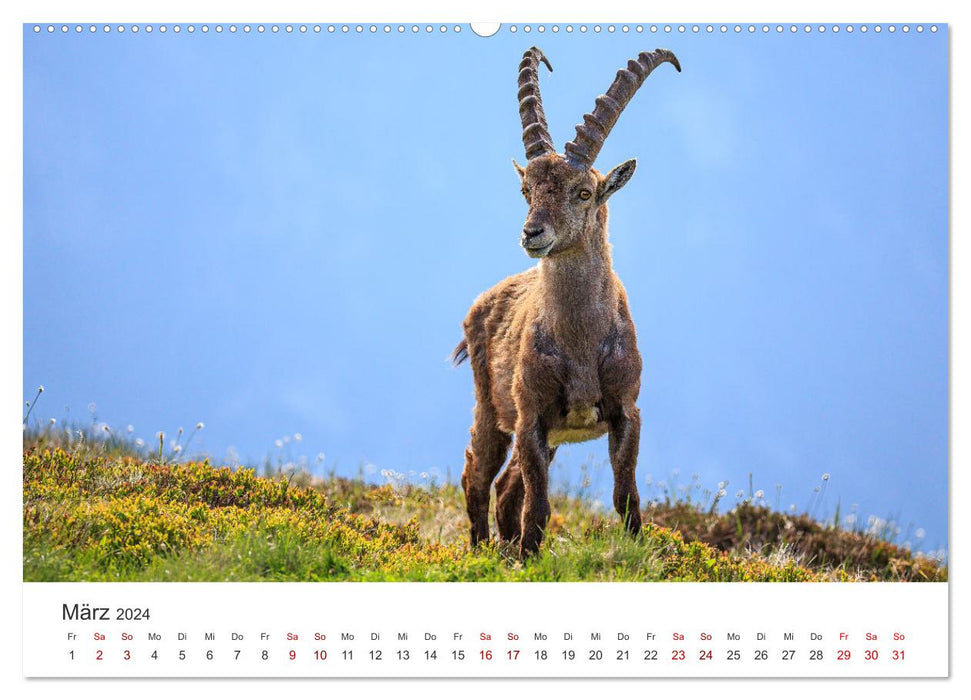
102, 507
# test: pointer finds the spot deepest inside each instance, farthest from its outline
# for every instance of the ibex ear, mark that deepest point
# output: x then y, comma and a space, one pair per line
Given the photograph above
520, 170
615, 179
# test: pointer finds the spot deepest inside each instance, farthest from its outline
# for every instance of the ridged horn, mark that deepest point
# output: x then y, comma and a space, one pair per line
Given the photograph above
582, 151
536, 134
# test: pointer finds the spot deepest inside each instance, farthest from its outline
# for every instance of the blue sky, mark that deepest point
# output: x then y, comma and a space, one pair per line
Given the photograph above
282, 233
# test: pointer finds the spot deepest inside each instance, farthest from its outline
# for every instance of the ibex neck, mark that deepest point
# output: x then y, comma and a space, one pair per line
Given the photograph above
578, 289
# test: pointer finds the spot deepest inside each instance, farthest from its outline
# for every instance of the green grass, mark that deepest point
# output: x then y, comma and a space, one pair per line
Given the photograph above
106, 512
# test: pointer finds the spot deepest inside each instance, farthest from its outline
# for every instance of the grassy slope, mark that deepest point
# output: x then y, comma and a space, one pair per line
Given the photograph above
117, 517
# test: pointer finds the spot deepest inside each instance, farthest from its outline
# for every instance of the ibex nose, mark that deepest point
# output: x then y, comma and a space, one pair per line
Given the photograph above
532, 230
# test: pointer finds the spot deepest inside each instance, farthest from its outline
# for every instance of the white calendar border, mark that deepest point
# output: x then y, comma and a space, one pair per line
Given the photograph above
509, 10
487, 630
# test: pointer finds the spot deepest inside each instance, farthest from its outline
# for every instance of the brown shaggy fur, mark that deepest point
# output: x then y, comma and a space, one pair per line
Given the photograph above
554, 357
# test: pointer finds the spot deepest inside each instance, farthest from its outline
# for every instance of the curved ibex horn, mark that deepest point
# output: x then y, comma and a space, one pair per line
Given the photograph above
536, 134
582, 151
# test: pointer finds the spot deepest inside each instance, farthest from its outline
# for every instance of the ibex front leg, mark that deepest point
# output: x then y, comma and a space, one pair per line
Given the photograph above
532, 453
483, 459
624, 439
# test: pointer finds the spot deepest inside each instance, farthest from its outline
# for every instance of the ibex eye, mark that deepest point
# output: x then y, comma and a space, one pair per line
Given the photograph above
585, 194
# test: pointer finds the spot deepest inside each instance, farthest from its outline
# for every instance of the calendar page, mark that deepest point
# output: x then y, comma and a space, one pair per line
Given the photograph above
425, 349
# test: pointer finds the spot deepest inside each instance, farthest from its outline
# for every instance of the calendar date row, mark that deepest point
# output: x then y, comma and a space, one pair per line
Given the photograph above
486, 655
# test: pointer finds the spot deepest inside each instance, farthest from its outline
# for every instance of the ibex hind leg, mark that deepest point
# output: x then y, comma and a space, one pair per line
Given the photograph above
483, 459
510, 492
509, 503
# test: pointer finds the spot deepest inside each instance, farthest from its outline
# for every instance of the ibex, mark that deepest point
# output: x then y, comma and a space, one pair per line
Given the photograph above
553, 349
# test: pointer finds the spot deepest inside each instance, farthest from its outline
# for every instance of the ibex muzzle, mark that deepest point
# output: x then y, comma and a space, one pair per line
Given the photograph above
538, 235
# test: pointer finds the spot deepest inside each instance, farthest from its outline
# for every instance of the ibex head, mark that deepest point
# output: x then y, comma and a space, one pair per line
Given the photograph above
565, 192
